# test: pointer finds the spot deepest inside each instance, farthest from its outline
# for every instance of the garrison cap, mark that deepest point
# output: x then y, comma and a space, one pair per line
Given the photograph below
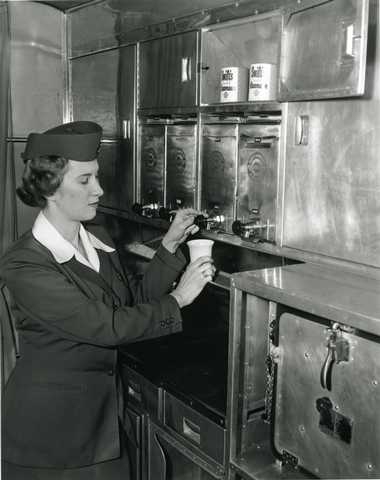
78, 141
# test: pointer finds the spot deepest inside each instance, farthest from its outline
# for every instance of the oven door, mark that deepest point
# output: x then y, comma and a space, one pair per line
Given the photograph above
257, 184
152, 168
181, 166
219, 152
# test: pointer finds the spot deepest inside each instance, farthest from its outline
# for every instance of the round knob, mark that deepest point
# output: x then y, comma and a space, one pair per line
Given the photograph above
200, 221
137, 208
164, 213
237, 227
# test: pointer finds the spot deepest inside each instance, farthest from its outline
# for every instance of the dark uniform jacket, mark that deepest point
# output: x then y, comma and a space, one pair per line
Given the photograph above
61, 401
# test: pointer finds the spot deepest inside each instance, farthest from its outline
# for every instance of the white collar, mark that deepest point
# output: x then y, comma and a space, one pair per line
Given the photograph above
62, 250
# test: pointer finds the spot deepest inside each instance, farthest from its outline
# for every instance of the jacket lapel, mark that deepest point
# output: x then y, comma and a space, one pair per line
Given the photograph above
87, 273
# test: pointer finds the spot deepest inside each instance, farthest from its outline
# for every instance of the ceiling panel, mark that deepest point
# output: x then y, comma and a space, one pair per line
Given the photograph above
64, 4
167, 8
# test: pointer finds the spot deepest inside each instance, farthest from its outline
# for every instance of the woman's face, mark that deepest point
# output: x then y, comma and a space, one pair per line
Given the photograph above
78, 195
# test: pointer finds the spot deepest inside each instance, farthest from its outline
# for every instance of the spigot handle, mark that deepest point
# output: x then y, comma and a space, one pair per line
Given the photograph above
137, 208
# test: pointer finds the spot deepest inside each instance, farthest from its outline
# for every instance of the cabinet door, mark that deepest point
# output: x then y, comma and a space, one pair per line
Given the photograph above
181, 166
103, 91
152, 168
168, 71
332, 179
237, 44
324, 50
94, 89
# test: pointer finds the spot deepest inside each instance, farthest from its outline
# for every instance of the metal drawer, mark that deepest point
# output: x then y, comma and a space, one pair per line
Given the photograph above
200, 431
141, 393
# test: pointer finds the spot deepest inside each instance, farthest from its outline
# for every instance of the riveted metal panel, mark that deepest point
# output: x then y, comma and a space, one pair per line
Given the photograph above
333, 433
37, 70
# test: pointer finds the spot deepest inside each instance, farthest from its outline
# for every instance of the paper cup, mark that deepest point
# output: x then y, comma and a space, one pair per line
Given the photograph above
200, 248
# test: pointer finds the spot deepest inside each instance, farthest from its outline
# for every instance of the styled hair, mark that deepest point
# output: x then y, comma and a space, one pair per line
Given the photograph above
41, 178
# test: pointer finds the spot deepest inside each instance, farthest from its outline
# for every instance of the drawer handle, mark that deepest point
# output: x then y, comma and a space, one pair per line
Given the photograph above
163, 457
134, 394
191, 430
186, 69
126, 129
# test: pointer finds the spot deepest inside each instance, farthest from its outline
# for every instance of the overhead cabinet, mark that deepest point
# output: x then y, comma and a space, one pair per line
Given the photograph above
168, 71
235, 57
323, 50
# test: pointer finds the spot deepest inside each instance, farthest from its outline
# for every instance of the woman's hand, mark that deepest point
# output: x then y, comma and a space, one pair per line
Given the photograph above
181, 227
193, 280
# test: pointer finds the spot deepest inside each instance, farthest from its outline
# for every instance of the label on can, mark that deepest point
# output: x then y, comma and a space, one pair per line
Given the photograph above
262, 82
233, 84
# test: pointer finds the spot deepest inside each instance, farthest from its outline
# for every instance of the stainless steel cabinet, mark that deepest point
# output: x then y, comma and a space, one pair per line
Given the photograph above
103, 91
239, 43
332, 178
323, 50
168, 71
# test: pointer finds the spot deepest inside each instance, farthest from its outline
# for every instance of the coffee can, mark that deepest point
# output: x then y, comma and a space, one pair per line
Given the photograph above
233, 84
262, 82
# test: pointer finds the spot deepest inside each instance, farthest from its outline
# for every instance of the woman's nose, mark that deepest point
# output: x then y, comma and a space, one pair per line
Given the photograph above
98, 189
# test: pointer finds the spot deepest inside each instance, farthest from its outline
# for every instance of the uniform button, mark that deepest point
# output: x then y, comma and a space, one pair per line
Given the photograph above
111, 372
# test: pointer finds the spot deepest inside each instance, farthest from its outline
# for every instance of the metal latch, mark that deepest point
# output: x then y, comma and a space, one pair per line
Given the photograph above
338, 350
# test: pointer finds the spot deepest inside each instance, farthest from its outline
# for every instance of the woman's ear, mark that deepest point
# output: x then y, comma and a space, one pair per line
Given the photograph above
50, 199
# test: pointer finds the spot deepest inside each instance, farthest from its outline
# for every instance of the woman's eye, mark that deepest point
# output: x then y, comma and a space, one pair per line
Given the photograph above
84, 181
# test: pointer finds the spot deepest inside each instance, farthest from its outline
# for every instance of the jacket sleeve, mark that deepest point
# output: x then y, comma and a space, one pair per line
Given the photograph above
45, 295
162, 271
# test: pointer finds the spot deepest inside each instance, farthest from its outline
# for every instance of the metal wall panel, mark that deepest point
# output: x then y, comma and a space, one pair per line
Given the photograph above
37, 68
25, 214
